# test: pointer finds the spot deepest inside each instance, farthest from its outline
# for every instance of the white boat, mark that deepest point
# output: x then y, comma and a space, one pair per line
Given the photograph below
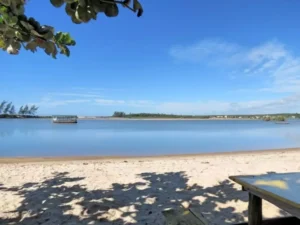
64, 119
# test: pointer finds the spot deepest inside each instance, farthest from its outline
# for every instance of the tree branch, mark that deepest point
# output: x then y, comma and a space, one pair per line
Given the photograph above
118, 2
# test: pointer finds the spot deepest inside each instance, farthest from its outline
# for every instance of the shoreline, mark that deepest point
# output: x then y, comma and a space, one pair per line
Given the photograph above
153, 118
143, 119
21, 159
133, 119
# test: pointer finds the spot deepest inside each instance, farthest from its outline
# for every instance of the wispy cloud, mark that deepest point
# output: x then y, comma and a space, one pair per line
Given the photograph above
52, 100
286, 104
271, 59
91, 89
52, 103
131, 103
80, 95
205, 50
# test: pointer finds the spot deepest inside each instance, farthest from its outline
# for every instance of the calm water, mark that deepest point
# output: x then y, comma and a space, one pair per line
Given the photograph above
43, 138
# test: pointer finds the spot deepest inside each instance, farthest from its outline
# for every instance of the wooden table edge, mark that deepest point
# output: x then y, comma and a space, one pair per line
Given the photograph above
266, 195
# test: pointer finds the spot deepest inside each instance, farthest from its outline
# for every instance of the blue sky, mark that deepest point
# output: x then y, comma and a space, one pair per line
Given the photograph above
204, 57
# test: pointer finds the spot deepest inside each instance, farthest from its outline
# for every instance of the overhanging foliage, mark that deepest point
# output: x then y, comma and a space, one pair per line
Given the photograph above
17, 31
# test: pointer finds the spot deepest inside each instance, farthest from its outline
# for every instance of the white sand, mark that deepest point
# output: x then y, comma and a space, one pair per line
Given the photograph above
133, 191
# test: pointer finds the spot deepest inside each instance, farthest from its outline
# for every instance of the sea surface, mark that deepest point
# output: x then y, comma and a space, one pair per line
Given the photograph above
40, 137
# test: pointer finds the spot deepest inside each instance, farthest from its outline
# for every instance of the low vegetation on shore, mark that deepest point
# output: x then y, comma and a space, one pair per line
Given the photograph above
273, 117
8, 110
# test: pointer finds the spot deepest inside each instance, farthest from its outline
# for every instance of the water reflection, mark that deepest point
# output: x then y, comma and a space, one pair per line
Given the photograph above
4, 133
293, 136
14, 131
42, 138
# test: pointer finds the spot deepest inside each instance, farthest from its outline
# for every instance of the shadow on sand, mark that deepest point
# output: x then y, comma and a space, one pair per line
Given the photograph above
61, 200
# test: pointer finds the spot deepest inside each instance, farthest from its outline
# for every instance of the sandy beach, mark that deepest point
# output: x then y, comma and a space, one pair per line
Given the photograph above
133, 190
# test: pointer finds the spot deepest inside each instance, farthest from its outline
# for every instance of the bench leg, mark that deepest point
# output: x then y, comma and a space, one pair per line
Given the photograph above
254, 210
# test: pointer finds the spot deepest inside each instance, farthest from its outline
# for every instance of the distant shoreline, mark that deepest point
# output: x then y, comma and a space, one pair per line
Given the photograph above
140, 119
116, 118
23, 117
9, 160
112, 118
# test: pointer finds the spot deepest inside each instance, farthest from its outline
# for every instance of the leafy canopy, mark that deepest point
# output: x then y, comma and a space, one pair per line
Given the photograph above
17, 31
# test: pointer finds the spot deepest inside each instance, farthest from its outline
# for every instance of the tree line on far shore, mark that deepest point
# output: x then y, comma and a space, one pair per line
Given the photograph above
154, 115
279, 118
8, 109
265, 117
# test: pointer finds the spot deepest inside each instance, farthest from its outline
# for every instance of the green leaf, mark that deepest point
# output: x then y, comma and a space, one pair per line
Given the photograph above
58, 37
19, 10
82, 14
10, 33
57, 3
49, 28
22, 18
49, 35
82, 3
16, 45
69, 10
26, 25
3, 27
70, 1
5, 2
2, 42
3, 9
126, 2
13, 21
138, 7
31, 46
51, 49
64, 39
98, 6
35, 33
75, 20
65, 51
4, 13
35, 24
111, 10
22, 37
41, 43
91, 13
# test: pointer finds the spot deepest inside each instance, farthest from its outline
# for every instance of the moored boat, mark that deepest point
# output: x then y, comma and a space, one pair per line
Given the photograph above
64, 119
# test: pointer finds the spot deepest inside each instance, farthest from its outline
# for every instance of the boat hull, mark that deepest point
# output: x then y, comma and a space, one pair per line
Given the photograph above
64, 121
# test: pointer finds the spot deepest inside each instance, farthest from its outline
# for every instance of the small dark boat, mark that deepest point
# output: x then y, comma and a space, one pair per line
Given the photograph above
282, 122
